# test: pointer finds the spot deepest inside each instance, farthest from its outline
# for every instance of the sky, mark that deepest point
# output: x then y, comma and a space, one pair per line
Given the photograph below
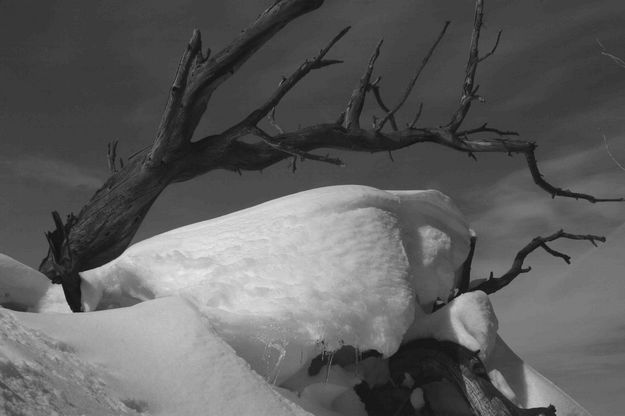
76, 75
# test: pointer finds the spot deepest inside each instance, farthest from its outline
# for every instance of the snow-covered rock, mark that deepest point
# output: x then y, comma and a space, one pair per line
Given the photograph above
313, 271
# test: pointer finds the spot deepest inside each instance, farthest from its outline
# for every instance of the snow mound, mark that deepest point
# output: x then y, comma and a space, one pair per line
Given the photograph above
313, 271
43, 376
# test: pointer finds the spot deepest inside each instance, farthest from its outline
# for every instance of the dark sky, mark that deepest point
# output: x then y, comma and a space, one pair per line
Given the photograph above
75, 75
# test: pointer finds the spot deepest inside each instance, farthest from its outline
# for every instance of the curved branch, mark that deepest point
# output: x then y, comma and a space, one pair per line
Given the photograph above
375, 87
554, 191
219, 152
285, 86
492, 285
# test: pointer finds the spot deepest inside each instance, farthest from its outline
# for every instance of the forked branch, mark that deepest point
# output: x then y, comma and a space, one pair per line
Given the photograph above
285, 86
493, 284
375, 87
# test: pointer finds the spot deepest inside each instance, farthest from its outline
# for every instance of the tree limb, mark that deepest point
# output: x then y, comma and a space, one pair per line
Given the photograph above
357, 100
415, 77
468, 89
198, 76
111, 156
492, 285
375, 87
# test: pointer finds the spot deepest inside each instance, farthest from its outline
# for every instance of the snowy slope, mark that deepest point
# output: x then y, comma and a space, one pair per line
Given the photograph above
26, 289
530, 388
159, 358
300, 274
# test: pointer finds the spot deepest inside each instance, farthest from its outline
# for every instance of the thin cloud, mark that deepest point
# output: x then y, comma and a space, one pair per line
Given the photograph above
52, 171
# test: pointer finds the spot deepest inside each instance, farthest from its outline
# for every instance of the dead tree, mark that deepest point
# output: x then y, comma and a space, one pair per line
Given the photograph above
107, 223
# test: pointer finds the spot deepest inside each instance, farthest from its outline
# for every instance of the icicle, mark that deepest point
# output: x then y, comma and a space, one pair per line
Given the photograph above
266, 357
280, 347
331, 354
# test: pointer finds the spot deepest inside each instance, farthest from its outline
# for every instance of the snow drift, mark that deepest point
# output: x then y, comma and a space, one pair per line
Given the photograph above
157, 358
279, 283
285, 280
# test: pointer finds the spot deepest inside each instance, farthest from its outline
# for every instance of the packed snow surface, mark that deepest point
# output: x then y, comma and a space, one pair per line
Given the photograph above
312, 271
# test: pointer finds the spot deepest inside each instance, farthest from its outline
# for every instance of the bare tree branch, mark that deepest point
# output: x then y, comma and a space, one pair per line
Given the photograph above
468, 89
357, 100
278, 145
198, 77
111, 156
285, 86
272, 120
492, 51
554, 191
416, 118
492, 285
414, 79
375, 87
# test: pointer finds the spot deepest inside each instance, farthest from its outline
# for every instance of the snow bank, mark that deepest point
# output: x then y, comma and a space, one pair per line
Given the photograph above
26, 289
313, 271
530, 388
159, 358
